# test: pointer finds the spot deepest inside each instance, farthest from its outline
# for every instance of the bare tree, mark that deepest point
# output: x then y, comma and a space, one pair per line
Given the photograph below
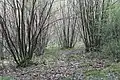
23, 26
66, 28
44, 35
1, 39
92, 18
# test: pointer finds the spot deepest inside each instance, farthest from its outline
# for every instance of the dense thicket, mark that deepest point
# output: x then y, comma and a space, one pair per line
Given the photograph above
99, 26
111, 33
92, 19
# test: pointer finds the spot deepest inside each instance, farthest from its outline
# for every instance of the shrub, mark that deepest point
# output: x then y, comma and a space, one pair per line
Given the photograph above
112, 50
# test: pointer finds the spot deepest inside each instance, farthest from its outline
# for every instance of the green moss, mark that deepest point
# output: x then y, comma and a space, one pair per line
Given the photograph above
6, 78
95, 74
114, 68
102, 73
92, 72
73, 57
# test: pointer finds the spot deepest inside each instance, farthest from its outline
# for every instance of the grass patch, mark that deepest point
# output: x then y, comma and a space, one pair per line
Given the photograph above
109, 73
115, 67
6, 78
73, 57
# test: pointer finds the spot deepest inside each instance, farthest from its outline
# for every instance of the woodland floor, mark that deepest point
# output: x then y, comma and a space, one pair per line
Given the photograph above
62, 65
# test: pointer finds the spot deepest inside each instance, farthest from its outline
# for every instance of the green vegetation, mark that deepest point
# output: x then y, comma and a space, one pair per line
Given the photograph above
109, 73
6, 78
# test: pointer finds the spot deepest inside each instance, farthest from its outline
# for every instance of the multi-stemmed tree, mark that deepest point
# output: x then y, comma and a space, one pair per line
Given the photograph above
22, 27
92, 17
66, 28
